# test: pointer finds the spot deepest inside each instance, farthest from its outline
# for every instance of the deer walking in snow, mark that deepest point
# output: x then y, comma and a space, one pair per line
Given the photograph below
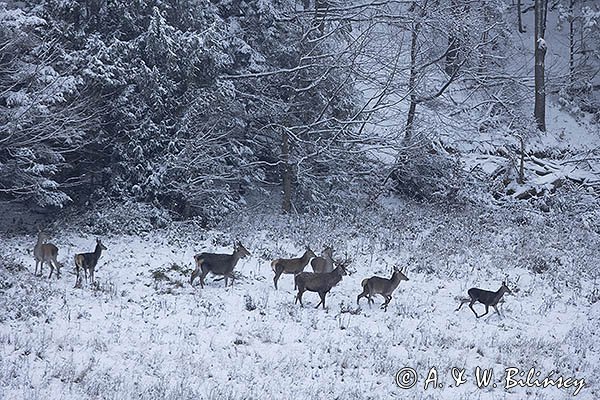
218, 264
319, 282
486, 297
378, 285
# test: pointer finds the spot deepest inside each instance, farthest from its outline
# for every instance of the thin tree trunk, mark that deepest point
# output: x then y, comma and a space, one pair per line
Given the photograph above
321, 7
453, 40
286, 173
412, 82
452, 55
541, 7
571, 43
519, 18
522, 162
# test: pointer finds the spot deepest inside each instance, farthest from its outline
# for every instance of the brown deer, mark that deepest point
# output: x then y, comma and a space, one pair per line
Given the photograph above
46, 253
88, 262
218, 264
486, 297
324, 263
319, 282
291, 265
385, 287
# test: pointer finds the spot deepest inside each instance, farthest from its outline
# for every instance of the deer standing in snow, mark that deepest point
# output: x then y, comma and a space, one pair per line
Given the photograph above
291, 265
46, 253
323, 263
88, 262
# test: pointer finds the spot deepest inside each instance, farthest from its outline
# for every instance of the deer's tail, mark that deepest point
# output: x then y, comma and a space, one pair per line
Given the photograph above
274, 264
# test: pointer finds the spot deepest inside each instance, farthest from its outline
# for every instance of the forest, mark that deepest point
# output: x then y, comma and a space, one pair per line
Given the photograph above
450, 144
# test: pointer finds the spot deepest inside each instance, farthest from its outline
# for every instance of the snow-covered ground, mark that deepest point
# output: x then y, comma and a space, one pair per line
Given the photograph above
144, 332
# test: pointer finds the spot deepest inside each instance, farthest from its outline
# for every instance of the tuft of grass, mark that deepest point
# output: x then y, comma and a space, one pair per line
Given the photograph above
160, 275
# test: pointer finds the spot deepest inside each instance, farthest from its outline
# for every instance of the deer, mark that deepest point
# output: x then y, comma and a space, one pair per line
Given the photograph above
218, 264
319, 282
378, 285
486, 297
324, 263
291, 265
46, 253
88, 262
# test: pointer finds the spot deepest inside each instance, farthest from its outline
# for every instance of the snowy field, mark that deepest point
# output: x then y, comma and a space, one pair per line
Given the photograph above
143, 332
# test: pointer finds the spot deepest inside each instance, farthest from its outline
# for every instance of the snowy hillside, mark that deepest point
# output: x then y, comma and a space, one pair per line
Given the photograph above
143, 332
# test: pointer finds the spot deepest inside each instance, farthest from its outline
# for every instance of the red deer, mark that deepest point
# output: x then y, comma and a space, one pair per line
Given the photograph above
323, 263
319, 282
88, 262
218, 264
486, 297
291, 265
46, 253
385, 287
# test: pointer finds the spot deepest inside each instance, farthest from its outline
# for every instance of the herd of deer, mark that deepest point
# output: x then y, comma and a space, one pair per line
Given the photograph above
327, 273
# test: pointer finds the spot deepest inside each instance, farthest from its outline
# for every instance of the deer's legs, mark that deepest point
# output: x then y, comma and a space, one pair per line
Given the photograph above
278, 272
487, 308
56, 265
230, 275
202, 276
299, 297
364, 293
195, 274
496, 308
388, 298
322, 296
462, 302
370, 298
472, 309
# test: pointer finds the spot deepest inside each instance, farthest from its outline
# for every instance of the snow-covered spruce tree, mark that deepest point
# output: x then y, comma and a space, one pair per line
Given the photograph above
293, 81
153, 69
42, 116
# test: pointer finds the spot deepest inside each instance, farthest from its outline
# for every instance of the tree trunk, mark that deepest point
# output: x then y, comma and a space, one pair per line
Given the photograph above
453, 41
521, 178
519, 19
321, 7
286, 173
571, 43
412, 82
541, 8
452, 55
